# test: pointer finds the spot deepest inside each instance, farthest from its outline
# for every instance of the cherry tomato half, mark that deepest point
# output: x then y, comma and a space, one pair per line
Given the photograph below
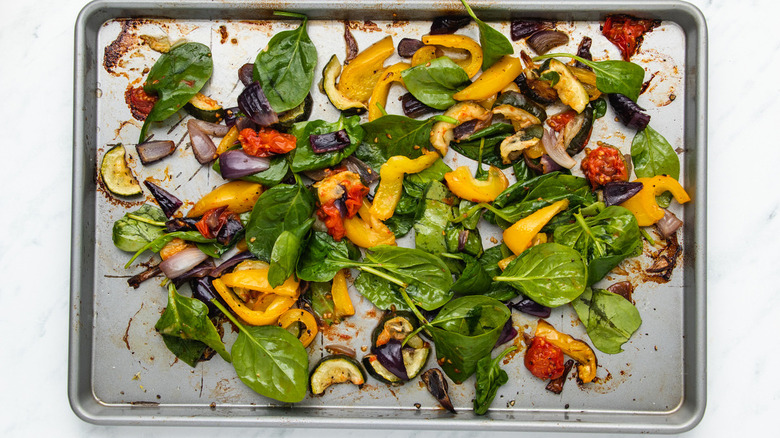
544, 360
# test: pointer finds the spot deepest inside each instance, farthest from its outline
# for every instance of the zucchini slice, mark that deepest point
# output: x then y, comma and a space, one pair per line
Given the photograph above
518, 100
116, 175
414, 362
300, 113
337, 368
396, 325
205, 108
328, 86
570, 91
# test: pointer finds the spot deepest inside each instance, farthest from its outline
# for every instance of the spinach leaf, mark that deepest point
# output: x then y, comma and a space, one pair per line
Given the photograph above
188, 351
175, 78
418, 181
490, 377
400, 224
494, 43
382, 293
609, 319
466, 330
432, 219
550, 274
285, 69
493, 135
523, 173
435, 82
270, 177
599, 107
392, 135
611, 76
138, 228
213, 249
323, 257
287, 249
304, 158
652, 155
604, 240
281, 208
188, 319
322, 301
467, 214
474, 280
499, 290
470, 245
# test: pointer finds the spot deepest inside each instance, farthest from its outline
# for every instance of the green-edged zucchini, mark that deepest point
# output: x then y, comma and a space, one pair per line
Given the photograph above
300, 113
539, 91
396, 325
330, 73
581, 127
570, 90
518, 100
337, 368
205, 108
116, 175
414, 362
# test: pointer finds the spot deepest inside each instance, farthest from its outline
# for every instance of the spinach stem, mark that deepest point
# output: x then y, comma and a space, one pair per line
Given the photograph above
475, 208
146, 220
381, 274
411, 305
647, 236
230, 316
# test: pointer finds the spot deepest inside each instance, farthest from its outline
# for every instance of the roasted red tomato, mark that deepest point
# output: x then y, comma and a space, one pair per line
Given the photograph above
604, 164
140, 103
544, 360
626, 32
559, 121
340, 196
266, 142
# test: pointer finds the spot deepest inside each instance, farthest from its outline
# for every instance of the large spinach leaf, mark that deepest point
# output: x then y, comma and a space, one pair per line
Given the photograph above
494, 43
392, 135
489, 260
382, 293
323, 257
138, 228
604, 240
188, 351
285, 69
188, 319
550, 274
611, 76
609, 319
432, 219
281, 208
435, 82
490, 377
175, 78
474, 280
652, 155
304, 158
287, 249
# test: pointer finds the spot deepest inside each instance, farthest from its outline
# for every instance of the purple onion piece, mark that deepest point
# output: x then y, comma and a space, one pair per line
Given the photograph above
366, 173
180, 224
202, 146
232, 115
389, 355
203, 290
520, 29
351, 43
200, 271
448, 24
167, 201
231, 262
413, 107
618, 192
408, 46
329, 142
255, 105
342, 207
669, 224
151, 151
531, 307
463, 237
466, 129
583, 51
230, 231
181, 262
214, 129
541, 42
236, 163
549, 165
245, 123
507, 333
628, 112
245, 73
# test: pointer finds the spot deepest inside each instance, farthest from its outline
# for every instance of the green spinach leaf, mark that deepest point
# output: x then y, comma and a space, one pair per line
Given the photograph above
499, 290
304, 158
382, 293
493, 135
611, 76
474, 280
138, 228
392, 135
432, 219
609, 319
285, 69
175, 78
652, 155
157, 244
287, 249
435, 82
494, 43
323, 257
550, 274
490, 377
188, 351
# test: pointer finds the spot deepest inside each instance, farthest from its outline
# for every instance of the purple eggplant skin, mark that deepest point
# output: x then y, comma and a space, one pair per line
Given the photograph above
531, 307
618, 192
408, 46
255, 105
180, 224
168, 203
448, 24
203, 290
414, 108
389, 355
628, 112
329, 142
231, 262
230, 231
507, 333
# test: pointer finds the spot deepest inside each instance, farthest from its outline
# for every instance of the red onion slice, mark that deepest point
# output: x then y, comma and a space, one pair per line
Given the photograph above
202, 146
669, 224
237, 164
245, 73
182, 261
541, 42
151, 151
389, 355
628, 112
448, 24
255, 105
167, 201
523, 28
618, 192
329, 142
556, 149
214, 129
408, 46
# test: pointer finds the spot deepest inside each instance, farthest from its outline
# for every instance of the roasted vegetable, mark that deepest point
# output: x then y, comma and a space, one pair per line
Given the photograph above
334, 369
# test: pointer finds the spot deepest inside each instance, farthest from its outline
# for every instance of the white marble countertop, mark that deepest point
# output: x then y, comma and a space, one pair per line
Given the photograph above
743, 299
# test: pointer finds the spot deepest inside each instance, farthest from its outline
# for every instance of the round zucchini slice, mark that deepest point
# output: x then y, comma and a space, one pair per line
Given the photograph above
414, 362
337, 368
342, 102
300, 113
116, 175
205, 108
396, 325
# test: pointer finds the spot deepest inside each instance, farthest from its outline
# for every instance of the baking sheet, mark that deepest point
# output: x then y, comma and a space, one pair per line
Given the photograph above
120, 371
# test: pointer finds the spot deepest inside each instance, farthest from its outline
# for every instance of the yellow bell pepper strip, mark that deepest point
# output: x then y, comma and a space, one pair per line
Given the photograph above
519, 236
492, 80
257, 279
644, 205
230, 139
574, 348
342, 303
503, 263
367, 231
359, 77
292, 316
473, 64
237, 196
391, 174
378, 98
464, 185
269, 316
425, 54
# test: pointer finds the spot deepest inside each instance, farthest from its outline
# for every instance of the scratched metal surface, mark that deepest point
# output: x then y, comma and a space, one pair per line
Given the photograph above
121, 371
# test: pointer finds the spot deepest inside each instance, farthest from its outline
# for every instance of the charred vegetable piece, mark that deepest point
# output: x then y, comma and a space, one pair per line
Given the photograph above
152, 151
116, 175
328, 86
413, 107
334, 369
300, 113
437, 385
408, 46
520, 29
543, 41
205, 108
329, 142
396, 325
448, 24
518, 100
583, 51
543, 359
603, 165
627, 32
167, 201
618, 192
556, 385
628, 112
255, 105
136, 280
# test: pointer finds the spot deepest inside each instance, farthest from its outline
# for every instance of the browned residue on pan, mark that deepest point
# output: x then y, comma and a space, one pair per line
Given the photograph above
365, 26
124, 42
223, 34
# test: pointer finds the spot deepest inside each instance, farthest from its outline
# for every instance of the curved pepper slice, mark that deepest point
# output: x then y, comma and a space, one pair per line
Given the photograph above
228, 140
382, 88
237, 196
574, 348
492, 80
367, 231
425, 54
474, 63
257, 279
342, 303
362, 73
464, 185
269, 316
388, 193
519, 236
643, 204
292, 316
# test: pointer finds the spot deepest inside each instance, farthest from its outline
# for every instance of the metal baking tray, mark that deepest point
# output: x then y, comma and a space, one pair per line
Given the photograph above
121, 373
